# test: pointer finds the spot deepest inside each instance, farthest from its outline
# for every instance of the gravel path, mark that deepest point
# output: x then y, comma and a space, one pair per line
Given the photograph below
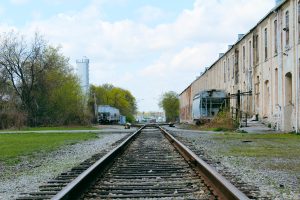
279, 183
28, 175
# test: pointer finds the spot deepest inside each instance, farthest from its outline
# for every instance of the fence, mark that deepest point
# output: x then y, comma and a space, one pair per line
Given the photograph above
238, 115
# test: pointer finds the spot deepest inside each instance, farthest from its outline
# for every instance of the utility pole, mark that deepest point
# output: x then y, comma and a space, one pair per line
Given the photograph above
95, 106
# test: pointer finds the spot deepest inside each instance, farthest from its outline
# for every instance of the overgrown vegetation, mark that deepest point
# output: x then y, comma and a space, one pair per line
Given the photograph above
221, 122
31, 144
120, 98
169, 101
37, 85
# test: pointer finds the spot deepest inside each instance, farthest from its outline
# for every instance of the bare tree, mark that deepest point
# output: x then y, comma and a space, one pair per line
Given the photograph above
23, 62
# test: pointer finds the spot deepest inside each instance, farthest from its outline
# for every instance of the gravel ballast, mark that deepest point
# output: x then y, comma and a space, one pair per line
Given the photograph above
28, 175
276, 178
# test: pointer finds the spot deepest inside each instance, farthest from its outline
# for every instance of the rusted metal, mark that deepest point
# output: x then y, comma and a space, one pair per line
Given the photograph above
149, 168
156, 171
222, 187
73, 189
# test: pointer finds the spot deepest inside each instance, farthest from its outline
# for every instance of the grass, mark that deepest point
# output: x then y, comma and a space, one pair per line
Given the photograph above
53, 128
18, 146
261, 145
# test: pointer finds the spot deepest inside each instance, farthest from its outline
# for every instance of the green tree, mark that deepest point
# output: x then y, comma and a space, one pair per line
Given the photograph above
43, 84
117, 97
60, 97
170, 103
23, 62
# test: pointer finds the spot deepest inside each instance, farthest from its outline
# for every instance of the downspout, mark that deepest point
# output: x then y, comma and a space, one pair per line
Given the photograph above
279, 60
297, 63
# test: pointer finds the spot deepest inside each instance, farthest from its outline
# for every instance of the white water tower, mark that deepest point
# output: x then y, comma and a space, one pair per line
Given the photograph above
82, 69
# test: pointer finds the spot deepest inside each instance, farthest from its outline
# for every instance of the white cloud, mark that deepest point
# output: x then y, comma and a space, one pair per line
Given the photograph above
177, 52
150, 13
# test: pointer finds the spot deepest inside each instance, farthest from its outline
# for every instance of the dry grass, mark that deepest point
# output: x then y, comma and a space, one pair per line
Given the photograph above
222, 122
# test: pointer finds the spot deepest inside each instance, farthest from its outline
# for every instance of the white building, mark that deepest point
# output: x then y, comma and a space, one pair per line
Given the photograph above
82, 71
266, 62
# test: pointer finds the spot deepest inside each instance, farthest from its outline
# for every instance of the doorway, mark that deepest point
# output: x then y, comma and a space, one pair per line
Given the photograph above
288, 104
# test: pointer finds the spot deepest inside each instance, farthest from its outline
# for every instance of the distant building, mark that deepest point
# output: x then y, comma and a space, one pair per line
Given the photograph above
150, 117
82, 71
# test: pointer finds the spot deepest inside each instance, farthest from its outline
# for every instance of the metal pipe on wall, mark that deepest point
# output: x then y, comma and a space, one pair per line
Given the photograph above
279, 61
296, 39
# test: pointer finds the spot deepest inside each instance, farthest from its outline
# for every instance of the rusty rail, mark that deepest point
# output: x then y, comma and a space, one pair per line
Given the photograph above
222, 187
73, 189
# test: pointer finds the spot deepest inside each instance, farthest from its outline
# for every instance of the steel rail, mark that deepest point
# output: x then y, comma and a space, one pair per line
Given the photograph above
221, 186
73, 189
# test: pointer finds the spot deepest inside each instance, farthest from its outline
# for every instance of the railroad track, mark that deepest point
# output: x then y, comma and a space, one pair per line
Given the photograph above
251, 191
150, 164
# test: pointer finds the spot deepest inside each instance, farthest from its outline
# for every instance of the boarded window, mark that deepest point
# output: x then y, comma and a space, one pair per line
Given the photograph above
257, 92
228, 68
236, 66
266, 43
224, 71
256, 55
298, 21
244, 58
275, 38
287, 28
250, 55
232, 64
276, 86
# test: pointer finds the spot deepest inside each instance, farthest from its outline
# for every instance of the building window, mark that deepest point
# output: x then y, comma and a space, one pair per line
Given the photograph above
236, 66
250, 54
244, 58
266, 43
256, 59
286, 29
276, 86
257, 92
228, 68
275, 38
250, 66
233, 63
224, 71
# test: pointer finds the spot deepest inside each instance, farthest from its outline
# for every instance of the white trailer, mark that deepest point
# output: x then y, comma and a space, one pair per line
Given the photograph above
108, 114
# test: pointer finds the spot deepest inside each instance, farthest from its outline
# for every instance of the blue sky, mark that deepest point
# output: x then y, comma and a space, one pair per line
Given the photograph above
148, 47
21, 12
